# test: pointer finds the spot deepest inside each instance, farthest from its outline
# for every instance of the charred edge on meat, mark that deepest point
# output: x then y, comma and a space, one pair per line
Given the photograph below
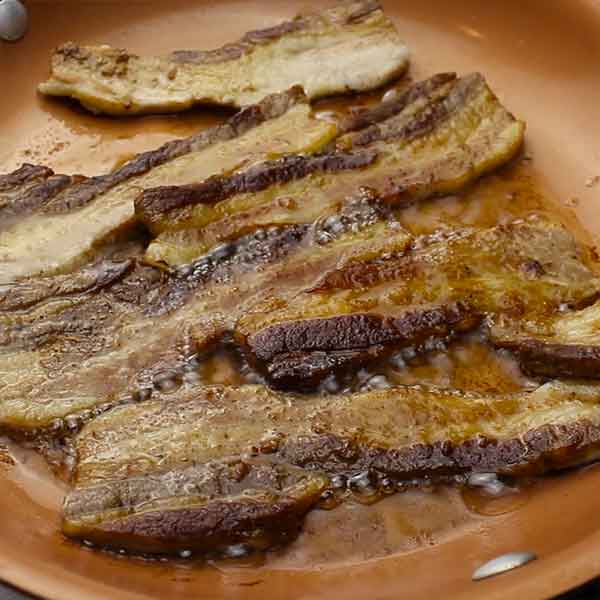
300, 354
60, 193
155, 202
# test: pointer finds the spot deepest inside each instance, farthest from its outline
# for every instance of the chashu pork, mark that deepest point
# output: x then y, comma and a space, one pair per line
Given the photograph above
214, 466
435, 138
352, 47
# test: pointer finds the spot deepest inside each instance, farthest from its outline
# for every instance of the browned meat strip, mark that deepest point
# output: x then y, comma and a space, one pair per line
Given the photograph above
66, 357
152, 204
416, 96
215, 466
436, 138
26, 174
301, 354
51, 223
20, 296
443, 286
29, 189
260, 504
565, 346
351, 47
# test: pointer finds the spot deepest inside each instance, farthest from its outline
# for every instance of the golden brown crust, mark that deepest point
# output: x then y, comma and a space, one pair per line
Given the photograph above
408, 305
299, 354
352, 46
553, 359
57, 194
155, 204
205, 495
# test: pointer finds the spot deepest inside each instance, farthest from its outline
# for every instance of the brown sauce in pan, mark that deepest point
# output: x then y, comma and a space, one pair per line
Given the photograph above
370, 525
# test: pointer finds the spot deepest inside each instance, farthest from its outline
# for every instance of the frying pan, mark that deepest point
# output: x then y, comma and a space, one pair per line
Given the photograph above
543, 59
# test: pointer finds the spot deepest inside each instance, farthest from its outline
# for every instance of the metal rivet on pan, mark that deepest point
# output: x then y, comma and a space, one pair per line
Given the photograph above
502, 564
13, 20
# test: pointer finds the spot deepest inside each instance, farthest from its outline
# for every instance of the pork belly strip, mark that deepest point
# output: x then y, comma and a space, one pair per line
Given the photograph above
447, 284
352, 47
66, 358
101, 362
23, 295
436, 138
213, 466
28, 188
52, 222
75, 313
566, 346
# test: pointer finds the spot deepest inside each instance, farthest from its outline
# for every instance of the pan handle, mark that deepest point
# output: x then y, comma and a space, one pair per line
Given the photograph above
13, 20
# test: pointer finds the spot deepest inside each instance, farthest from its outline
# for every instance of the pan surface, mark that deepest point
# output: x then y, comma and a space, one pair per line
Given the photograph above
543, 59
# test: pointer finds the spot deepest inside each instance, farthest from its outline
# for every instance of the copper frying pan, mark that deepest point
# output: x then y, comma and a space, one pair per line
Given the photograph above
543, 57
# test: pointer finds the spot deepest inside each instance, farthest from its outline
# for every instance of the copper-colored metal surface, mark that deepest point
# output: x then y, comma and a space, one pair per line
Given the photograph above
543, 58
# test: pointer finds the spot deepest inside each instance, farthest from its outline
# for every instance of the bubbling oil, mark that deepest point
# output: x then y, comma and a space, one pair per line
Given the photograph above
362, 515
367, 514
488, 495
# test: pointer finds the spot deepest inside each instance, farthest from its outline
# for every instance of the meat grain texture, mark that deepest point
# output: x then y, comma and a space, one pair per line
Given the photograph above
280, 233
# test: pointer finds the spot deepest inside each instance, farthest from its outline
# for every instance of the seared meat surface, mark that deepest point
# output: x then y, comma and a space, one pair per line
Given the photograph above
352, 47
567, 345
52, 223
436, 138
445, 284
103, 344
278, 236
62, 358
214, 466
